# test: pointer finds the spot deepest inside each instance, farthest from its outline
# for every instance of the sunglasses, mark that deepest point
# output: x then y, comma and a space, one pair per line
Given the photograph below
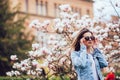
88, 38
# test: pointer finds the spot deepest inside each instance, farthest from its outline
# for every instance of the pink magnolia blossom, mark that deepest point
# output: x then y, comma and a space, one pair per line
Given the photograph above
116, 37
35, 63
44, 50
23, 69
35, 24
35, 46
65, 8
9, 74
13, 57
17, 73
17, 65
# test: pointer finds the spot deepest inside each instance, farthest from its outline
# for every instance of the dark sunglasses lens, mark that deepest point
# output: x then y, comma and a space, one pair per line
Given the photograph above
92, 38
87, 38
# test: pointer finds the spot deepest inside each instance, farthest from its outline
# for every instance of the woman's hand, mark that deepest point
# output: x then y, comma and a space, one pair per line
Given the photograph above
96, 43
82, 41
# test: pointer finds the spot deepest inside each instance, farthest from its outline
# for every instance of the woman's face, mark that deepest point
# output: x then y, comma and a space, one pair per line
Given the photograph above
88, 39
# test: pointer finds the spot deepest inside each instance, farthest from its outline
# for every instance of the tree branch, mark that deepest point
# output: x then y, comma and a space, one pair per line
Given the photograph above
114, 9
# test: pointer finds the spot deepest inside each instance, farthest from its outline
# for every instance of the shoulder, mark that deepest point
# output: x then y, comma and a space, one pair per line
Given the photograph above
74, 53
97, 50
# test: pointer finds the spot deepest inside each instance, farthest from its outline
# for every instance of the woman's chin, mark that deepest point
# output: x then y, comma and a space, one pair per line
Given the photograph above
90, 45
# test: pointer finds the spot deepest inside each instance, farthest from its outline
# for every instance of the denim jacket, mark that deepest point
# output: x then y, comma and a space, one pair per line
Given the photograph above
82, 63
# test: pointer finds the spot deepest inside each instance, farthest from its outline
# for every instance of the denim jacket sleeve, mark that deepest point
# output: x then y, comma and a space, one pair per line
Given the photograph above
101, 58
79, 57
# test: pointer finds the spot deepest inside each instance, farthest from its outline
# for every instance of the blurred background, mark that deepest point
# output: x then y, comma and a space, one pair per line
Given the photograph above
16, 37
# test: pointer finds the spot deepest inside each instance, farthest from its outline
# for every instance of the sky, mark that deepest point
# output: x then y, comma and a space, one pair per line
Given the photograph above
106, 7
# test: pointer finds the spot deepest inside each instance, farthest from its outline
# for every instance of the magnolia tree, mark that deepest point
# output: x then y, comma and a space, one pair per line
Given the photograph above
50, 55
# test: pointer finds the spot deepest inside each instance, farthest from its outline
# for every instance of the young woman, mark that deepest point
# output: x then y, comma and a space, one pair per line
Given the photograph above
86, 57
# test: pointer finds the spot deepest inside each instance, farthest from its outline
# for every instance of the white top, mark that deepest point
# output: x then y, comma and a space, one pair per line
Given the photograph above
95, 75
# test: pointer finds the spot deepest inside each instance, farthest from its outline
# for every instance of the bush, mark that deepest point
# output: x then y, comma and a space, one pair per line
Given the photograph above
28, 78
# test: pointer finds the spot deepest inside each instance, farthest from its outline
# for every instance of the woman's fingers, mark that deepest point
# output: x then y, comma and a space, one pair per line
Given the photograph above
82, 41
96, 43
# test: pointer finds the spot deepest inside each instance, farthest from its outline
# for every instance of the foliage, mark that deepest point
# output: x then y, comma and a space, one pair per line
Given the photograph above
117, 74
12, 39
10, 78
28, 78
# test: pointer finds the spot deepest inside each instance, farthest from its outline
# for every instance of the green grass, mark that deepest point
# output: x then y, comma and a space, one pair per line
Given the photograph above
11, 78
58, 78
25, 78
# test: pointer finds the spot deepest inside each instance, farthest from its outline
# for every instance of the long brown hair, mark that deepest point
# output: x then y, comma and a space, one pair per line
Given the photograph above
76, 42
